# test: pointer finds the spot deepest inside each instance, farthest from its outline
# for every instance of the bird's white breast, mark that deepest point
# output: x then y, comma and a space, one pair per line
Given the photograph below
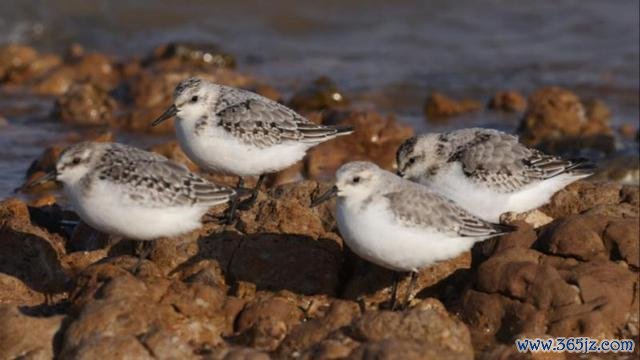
106, 207
214, 149
373, 233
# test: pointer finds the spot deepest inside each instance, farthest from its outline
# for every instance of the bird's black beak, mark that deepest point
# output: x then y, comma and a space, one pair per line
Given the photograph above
400, 173
171, 112
50, 176
326, 196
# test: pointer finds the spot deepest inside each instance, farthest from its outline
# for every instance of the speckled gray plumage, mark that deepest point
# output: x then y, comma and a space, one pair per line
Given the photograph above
150, 179
262, 122
491, 157
416, 206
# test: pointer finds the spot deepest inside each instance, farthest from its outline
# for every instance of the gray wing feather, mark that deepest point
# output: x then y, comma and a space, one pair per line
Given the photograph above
264, 122
500, 161
152, 180
416, 206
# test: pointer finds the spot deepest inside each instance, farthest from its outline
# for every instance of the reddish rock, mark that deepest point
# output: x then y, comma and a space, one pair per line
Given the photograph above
428, 327
439, 106
14, 57
558, 121
85, 104
26, 337
321, 94
265, 322
186, 54
509, 101
376, 138
572, 236
624, 236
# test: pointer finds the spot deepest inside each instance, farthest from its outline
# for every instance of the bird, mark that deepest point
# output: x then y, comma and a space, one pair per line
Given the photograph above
401, 225
486, 171
130, 193
238, 132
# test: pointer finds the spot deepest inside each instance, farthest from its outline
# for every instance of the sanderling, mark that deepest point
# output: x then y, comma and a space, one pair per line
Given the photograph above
131, 193
401, 225
487, 172
238, 132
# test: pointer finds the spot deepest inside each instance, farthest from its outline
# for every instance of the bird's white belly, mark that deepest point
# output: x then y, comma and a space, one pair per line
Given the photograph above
374, 235
217, 151
103, 209
488, 204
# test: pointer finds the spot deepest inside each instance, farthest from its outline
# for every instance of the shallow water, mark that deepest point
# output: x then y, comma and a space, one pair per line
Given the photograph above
386, 55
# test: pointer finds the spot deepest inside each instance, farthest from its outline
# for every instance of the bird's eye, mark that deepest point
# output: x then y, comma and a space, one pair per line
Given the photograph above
412, 160
194, 98
356, 179
75, 161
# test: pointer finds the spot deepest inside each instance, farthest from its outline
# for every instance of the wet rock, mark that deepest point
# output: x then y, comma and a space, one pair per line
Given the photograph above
85, 104
624, 169
439, 106
321, 94
508, 101
426, 329
26, 337
376, 138
179, 54
558, 121
628, 131
14, 57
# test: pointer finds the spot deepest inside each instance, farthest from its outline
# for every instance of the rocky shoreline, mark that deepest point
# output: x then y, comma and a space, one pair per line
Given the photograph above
283, 284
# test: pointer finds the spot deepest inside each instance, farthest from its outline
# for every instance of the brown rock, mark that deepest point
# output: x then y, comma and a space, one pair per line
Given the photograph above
265, 322
580, 196
628, 131
439, 106
428, 325
26, 337
85, 104
376, 138
572, 236
306, 334
187, 54
321, 94
557, 120
509, 101
624, 234
29, 253
14, 57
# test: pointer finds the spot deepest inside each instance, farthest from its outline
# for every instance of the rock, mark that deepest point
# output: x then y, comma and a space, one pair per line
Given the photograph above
321, 94
628, 131
265, 322
26, 337
306, 334
624, 169
376, 138
572, 236
558, 121
623, 234
580, 196
14, 57
439, 106
30, 254
508, 101
85, 104
428, 328
372, 285
180, 54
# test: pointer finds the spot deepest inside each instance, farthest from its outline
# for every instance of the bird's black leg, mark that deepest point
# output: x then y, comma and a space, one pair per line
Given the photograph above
247, 204
144, 249
409, 295
394, 290
233, 206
